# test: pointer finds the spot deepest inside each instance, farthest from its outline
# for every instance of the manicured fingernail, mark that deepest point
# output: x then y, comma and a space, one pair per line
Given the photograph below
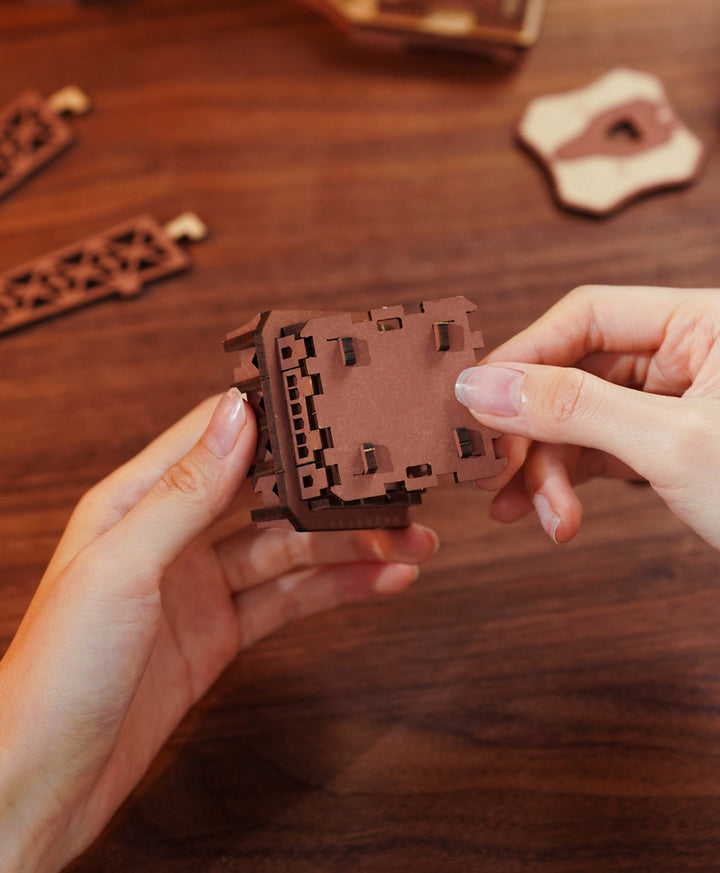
226, 423
548, 519
395, 578
432, 537
490, 389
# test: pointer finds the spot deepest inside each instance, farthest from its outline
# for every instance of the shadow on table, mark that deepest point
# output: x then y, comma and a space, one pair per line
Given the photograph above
558, 779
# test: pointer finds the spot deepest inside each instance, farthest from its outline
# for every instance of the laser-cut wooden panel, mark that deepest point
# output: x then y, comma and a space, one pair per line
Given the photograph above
31, 135
120, 261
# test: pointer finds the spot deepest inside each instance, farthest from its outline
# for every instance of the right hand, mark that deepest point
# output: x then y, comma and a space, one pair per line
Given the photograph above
621, 382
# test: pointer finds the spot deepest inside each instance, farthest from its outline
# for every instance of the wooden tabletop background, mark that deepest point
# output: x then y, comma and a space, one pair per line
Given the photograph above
526, 707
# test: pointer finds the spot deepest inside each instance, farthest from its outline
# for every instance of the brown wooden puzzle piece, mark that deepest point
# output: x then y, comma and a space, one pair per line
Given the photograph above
468, 25
33, 132
356, 412
119, 261
611, 142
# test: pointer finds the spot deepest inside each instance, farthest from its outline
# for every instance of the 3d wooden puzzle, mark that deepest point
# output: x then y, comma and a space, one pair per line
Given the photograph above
356, 411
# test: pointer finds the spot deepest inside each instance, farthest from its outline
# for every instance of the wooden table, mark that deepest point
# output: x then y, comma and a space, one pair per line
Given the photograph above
525, 707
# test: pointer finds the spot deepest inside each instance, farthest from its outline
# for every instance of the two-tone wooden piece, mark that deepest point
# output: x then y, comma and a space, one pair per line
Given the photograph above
611, 142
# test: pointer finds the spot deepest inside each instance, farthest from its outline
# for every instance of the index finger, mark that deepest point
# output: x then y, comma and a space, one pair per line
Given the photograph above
594, 319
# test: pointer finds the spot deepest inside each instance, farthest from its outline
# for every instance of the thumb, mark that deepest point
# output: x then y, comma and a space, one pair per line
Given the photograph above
189, 496
565, 405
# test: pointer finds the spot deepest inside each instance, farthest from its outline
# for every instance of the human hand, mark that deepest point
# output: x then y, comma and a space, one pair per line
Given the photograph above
138, 613
619, 382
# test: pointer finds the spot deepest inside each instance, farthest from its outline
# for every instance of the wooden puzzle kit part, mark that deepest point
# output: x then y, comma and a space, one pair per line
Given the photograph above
468, 25
33, 132
357, 413
611, 142
120, 261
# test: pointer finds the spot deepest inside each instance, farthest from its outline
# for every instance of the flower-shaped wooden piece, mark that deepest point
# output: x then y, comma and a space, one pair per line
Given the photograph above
611, 142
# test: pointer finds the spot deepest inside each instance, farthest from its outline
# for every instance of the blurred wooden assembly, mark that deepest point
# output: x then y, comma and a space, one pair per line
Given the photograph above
468, 25
119, 261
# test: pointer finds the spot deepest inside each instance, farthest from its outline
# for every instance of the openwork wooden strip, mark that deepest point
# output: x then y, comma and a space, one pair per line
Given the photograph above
31, 134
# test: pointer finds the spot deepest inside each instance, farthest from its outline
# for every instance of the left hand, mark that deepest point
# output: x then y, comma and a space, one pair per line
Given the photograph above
137, 615
616, 382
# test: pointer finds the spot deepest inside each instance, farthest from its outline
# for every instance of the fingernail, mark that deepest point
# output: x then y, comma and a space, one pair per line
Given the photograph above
395, 578
548, 519
432, 537
490, 389
226, 423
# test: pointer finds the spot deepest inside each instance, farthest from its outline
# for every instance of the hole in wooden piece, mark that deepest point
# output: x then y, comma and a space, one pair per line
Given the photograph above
419, 471
624, 130
385, 324
463, 442
441, 329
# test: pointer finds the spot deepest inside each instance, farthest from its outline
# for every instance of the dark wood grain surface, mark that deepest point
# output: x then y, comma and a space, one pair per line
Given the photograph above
525, 707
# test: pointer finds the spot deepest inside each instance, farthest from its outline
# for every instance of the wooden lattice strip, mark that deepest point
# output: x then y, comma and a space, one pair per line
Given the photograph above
120, 261
33, 132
